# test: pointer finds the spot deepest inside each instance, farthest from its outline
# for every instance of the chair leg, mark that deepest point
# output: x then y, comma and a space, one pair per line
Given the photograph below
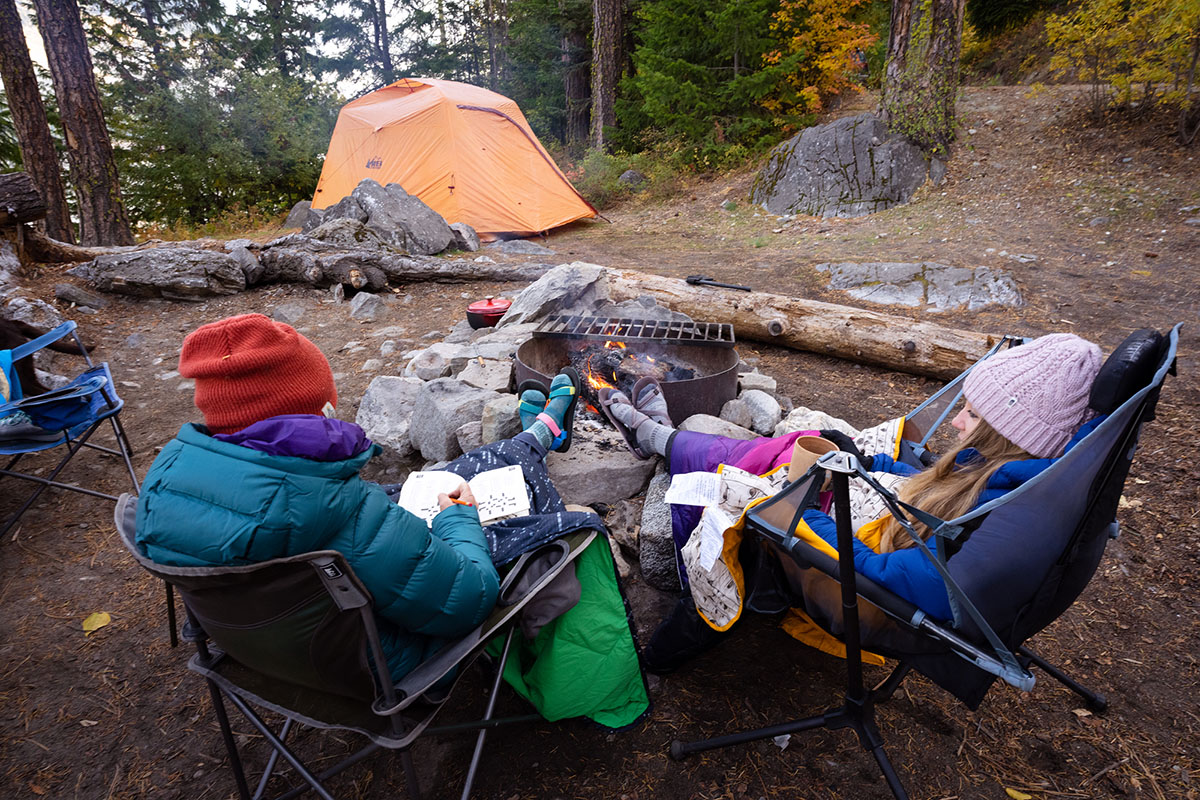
410, 775
1095, 701
172, 624
126, 451
313, 782
491, 707
235, 760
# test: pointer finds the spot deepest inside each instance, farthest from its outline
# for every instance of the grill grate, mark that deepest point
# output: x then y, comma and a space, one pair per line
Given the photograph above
563, 326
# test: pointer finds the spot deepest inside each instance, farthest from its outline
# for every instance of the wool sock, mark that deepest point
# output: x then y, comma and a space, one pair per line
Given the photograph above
651, 436
556, 409
530, 399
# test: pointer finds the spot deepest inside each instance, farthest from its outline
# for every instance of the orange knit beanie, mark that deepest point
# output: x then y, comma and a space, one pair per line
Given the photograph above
248, 368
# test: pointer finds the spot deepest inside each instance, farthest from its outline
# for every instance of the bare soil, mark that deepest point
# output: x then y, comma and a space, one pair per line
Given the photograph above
116, 715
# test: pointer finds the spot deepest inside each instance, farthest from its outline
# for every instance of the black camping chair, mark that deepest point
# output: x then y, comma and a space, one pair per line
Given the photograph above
297, 636
1011, 566
65, 417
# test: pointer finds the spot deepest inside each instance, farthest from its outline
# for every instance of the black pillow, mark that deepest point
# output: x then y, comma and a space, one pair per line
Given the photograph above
1127, 370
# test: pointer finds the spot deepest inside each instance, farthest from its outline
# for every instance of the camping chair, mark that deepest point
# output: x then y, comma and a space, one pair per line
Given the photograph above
1011, 566
65, 417
298, 636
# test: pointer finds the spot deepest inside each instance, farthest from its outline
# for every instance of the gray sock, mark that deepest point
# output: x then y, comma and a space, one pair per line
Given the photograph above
653, 437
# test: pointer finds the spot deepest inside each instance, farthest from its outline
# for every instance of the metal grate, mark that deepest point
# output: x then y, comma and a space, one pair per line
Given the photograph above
562, 326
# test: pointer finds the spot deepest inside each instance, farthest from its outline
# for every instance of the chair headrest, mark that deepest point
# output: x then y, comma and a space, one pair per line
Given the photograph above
1129, 369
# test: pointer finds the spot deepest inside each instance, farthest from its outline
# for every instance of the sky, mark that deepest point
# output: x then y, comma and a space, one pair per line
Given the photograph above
37, 50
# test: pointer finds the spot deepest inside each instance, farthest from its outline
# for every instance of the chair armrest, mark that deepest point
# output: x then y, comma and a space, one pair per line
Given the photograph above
50, 337
82, 389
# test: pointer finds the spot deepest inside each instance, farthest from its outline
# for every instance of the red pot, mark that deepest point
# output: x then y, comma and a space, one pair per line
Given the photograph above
486, 313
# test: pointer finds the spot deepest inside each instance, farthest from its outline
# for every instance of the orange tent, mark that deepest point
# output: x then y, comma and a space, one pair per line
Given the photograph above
467, 152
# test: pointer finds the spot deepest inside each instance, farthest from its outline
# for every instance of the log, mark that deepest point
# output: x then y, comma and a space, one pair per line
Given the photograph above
867, 337
40, 248
20, 201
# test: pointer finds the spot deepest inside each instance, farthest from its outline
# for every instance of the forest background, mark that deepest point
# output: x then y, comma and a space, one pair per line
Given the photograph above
220, 112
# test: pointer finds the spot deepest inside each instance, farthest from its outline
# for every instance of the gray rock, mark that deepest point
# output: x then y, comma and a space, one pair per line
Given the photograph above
289, 313
442, 407
385, 412
706, 423
487, 374
569, 287
365, 306
465, 237
175, 273
338, 293
298, 215
134, 341
252, 269
441, 360
1192, 221
398, 218
656, 546
1096, 222
352, 234
500, 419
631, 178
37, 313
371, 365
598, 468
757, 380
624, 568
937, 287
347, 208
234, 244
522, 247
387, 347
937, 171
806, 419
737, 412
469, 436
644, 307
765, 411
847, 168
10, 265
623, 521
70, 293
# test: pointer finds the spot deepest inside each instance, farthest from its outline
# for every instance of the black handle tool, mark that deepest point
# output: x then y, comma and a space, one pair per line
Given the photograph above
700, 279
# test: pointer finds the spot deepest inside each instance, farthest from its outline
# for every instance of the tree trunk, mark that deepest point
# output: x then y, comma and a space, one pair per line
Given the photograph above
576, 89
20, 200
29, 120
607, 30
102, 218
921, 81
865, 337
385, 47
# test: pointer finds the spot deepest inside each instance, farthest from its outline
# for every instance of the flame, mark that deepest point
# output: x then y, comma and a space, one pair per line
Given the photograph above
595, 379
614, 345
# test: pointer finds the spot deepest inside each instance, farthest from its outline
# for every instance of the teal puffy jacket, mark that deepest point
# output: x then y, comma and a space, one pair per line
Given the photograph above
211, 503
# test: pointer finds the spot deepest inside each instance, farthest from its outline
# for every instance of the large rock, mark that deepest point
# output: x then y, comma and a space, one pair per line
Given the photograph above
522, 247
806, 419
500, 419
706, 423
569, 287
847, 168
465, 237
351, 234
487, 374
936, 287
598, 468
10, 265
252, 269
70, 293
385, 412
765, 412
298, 215
401, 219
442, 407
176, 273
441, 360
656, 547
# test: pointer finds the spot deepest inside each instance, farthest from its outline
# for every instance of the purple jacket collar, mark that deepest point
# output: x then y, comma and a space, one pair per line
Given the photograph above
302, 436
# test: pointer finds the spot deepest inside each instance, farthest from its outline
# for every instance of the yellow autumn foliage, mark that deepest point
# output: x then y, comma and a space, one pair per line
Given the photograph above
823, 47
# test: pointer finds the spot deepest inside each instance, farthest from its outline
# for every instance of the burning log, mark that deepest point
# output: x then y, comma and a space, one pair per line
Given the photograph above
868, 337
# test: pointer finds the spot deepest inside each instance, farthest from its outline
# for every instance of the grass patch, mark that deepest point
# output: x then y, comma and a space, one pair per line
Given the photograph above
237, 222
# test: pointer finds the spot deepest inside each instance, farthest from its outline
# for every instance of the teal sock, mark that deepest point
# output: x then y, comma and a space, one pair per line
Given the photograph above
532, 403
556, 409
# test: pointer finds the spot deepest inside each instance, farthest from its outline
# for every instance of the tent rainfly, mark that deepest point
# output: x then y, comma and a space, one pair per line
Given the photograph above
467, 152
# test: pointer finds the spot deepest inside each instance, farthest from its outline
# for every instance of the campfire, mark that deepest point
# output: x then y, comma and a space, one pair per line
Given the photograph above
694, 362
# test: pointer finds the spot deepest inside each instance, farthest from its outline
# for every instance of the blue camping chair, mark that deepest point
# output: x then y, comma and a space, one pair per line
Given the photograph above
1011, 566
65, 417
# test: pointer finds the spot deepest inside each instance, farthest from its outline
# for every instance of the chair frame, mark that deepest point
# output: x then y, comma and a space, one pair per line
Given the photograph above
392, 699
75, 438
857, 710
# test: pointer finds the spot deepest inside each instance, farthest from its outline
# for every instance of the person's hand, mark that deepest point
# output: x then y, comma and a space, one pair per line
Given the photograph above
847, 445
462, 494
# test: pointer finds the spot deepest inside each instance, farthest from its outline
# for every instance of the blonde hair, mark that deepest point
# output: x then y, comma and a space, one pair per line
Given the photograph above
948, 489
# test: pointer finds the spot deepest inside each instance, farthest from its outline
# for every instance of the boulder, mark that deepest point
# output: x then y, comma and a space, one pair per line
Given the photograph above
365, 306
598, 468
500, 419
441, 360
37, 313
252, 269
522, 247
706, 423
174, 273
737, 412
487, 374
465, 237
348, 207
765, 411
400, 219
569, 287
756, 380
386, 410
443, 406
469, 436
10, 265
298, 215
70, 293
289, 313
656, 546
631, 178
847, 168
932, 286
806, 419
351, 234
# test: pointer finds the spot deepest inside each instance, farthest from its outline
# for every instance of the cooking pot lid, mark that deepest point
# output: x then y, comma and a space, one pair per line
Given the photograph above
491, 305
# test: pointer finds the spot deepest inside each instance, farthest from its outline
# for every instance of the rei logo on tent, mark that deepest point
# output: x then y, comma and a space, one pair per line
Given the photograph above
375, 163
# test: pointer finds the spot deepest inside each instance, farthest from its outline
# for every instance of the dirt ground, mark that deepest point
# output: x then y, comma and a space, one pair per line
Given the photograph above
116, 715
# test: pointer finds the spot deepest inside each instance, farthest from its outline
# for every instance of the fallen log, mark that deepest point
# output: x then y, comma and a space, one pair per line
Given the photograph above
41, 249
20, 201
868, 337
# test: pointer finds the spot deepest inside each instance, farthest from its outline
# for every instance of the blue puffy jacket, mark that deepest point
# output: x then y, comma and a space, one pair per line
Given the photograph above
207, 502
909, 573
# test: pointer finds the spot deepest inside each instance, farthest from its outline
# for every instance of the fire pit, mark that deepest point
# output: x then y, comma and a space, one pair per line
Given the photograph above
694, 361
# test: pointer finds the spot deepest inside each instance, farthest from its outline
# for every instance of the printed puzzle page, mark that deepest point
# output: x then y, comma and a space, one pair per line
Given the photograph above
499, 493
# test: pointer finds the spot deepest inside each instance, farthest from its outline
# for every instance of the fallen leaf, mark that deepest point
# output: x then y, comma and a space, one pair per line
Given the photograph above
95, 622
33, 787
1015, 795
1144, 272
1081, 712
87, 723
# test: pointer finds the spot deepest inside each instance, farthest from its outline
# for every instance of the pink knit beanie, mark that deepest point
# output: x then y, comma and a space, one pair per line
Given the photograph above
1036, 395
